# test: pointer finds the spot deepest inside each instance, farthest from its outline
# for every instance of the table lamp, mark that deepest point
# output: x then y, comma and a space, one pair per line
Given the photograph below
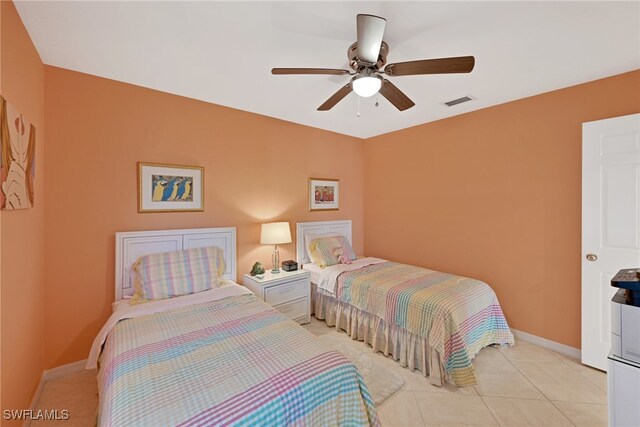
275, 233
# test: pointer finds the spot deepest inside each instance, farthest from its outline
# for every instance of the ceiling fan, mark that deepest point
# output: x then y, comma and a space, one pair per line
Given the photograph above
367, 57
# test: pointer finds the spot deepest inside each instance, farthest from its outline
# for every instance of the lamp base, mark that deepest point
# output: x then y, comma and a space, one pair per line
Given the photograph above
276, 261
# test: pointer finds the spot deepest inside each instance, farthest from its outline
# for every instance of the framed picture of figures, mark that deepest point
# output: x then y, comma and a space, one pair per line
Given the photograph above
17, 158
170, 188
324, 194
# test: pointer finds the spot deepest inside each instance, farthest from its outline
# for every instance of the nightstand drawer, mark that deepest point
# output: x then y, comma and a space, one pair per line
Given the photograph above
295, 309
279, 294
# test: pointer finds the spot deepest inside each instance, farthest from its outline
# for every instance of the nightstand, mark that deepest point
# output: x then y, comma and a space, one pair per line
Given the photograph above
288, 291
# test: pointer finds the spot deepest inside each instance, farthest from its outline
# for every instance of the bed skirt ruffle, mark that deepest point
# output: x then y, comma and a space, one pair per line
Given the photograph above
410, 350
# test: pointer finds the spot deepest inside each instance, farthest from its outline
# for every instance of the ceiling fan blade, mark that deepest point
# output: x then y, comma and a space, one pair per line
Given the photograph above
395, 96
335, 98
461, 64
370, 33
330, 71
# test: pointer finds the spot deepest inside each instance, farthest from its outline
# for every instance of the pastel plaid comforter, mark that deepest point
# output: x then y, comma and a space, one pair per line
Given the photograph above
457, 315
233, 361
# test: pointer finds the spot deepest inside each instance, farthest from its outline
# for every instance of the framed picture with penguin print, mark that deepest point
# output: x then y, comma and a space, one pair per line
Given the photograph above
170, 188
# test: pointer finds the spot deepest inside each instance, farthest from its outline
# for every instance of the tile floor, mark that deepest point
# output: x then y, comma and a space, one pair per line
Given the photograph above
525, 385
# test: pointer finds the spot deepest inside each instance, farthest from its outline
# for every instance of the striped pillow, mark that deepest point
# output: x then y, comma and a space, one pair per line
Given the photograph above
326, 251
170, 274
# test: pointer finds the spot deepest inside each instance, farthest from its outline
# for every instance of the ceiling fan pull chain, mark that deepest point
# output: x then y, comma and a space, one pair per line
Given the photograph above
358, 112
377, 103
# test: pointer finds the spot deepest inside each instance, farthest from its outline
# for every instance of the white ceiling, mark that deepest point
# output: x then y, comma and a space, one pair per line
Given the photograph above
222, 52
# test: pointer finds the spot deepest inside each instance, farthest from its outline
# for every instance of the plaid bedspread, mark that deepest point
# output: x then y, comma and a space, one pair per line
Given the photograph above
457, 315
234, 361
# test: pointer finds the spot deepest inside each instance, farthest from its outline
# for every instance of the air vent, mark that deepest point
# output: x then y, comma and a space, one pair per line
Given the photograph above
458, 101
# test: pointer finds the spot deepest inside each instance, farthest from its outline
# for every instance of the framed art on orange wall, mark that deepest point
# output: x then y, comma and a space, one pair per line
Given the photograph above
17, 158
324, 194
170, 188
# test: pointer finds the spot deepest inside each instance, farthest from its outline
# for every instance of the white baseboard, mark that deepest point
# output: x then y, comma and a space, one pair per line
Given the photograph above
54, 374
551, 345
64, 370
35, 399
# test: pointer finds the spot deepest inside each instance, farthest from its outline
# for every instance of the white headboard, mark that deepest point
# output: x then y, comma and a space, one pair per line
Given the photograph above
134, 244
342, 227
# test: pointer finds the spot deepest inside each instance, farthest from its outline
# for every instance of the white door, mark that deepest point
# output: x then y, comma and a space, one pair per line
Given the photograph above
610, 223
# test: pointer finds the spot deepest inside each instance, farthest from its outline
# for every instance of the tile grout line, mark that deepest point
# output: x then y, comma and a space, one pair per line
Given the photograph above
516, 398
563, 359
490, 411
579, 371
525, 377
529, 380
563, 414
545, 396
534, 386
570, 370
579, 403
605, 390
418, 406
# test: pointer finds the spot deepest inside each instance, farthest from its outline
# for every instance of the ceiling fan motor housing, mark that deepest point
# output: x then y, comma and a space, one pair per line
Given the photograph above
355, 63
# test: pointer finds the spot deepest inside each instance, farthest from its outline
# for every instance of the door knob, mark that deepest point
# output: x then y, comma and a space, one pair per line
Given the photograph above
592, 257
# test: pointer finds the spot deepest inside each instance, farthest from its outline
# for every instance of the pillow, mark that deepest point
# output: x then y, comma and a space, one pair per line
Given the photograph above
327, 251
170, 274
308, 238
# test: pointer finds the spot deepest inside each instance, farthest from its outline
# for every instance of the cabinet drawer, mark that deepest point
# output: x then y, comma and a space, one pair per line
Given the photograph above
295, 309
286, 292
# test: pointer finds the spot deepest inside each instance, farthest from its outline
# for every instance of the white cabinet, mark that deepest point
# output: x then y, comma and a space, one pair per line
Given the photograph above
624, 392
288, 291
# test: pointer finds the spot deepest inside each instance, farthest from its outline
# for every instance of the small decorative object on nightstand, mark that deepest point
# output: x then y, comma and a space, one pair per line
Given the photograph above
257, 269
288, 291
289, 265
275, 233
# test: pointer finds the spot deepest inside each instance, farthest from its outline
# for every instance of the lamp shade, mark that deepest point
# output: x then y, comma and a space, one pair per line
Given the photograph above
275, 233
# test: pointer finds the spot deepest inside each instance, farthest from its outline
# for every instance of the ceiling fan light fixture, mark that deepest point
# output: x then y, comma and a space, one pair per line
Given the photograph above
366, 85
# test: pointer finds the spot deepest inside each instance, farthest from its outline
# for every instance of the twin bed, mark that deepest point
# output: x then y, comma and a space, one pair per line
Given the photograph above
217, 357
224, 357
426, 320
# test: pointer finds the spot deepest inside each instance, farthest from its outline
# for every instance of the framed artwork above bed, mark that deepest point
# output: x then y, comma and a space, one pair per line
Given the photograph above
170, 188
324, 194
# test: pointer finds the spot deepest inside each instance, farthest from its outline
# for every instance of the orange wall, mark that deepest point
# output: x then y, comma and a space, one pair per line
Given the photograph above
256, 170
22, 238
1, 407
495, 195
